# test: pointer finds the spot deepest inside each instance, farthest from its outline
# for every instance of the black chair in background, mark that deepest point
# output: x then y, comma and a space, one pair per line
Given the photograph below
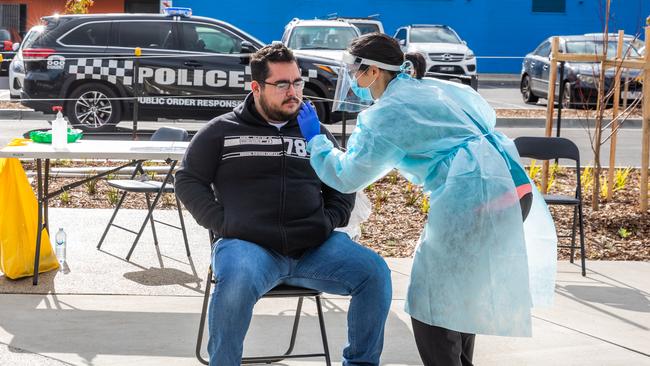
149, 186
278, 291
549, 148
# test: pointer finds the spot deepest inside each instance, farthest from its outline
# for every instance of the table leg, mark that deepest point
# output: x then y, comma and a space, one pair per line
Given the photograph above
39, 229
46, 202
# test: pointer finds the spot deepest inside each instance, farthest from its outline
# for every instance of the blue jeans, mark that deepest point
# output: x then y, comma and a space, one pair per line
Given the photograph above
246, 271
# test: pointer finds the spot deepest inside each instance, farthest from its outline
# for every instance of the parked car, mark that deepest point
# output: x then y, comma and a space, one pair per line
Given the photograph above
17, 66
366, 25
580, 79
448, 56
191, 67
6, 49
635, 41
321, 38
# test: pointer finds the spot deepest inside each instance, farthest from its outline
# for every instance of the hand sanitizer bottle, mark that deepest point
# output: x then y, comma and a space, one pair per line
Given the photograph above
59, 129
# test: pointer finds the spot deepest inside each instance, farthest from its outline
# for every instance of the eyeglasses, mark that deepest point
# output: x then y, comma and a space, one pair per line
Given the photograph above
284, 85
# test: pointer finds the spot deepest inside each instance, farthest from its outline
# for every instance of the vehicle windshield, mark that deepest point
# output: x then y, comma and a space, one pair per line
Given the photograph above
434, 35
596, 48
321, 38
31, 36
5, 35
637, 43
366, 28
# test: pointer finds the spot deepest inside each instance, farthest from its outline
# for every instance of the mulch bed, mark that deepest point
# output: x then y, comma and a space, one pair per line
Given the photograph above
618, 231
5, 104
584, 114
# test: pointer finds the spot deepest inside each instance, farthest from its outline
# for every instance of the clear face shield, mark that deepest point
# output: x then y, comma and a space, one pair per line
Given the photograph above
345, 100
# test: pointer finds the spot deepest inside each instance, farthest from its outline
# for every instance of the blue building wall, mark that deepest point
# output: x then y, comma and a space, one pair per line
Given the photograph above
491, 27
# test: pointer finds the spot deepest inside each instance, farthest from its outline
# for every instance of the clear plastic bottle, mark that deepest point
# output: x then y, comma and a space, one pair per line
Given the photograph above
59, 130
60, 241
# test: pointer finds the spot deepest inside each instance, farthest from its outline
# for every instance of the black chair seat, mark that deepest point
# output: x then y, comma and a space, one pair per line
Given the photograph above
148, 186
286, 290
555, 199
283, 290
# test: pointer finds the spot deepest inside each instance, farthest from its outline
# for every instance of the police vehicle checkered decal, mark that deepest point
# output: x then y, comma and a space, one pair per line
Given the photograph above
101, 69
310, 74
114, 70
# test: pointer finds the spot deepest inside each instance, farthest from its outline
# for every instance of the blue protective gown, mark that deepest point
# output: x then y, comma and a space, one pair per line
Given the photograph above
477, 268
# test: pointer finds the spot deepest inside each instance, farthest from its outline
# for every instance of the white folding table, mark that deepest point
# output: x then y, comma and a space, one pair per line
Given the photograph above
133, 151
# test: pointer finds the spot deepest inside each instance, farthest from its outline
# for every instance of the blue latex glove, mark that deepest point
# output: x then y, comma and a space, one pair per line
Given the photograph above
308, 121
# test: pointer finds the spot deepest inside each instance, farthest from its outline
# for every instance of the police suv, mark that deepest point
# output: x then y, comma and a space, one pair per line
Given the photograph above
190, 67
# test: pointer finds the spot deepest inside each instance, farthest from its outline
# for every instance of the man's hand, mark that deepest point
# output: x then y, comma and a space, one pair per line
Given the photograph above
308, 121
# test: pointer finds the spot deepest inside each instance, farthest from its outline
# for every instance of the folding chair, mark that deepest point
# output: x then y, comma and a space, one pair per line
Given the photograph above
149, 187
548, 148
283, 291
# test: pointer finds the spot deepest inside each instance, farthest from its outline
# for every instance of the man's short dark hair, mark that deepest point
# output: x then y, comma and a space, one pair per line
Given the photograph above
259, 63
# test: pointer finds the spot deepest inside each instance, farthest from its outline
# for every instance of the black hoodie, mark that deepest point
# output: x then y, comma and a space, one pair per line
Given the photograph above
266, 190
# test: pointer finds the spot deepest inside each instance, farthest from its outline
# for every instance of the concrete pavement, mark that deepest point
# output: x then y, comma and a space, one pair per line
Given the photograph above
102, 310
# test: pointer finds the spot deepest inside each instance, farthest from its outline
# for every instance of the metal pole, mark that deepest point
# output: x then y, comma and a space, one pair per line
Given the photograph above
343, 133
39, 232
559, 105
46, 202
136, 92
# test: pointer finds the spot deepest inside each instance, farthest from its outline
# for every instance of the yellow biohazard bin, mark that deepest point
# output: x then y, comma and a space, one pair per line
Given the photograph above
18, 225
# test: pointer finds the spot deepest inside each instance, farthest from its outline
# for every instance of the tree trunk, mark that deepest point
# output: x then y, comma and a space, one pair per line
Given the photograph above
600, 111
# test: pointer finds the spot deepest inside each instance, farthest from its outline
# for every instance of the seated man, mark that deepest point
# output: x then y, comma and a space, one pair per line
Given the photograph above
246, 176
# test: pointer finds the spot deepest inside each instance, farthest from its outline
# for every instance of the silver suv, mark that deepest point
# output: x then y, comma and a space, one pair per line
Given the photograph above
447, 55
366, 25
321, 38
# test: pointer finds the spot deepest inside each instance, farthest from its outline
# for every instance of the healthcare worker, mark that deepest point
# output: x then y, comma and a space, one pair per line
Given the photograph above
419, 64
479, 267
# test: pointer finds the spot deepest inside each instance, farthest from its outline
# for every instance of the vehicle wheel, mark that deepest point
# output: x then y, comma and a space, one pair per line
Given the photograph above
526, 91
92, 108
320, 105
568, 100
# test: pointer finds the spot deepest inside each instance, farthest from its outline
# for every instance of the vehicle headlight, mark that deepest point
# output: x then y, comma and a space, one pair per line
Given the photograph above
587, 79
329, 68
18, 67
469, 55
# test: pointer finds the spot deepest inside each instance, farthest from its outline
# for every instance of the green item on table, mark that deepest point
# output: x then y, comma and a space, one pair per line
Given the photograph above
45, 137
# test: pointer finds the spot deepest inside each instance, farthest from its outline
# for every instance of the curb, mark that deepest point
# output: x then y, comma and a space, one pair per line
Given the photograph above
503, 122
499, 80
501, 83
517, 122
23, 114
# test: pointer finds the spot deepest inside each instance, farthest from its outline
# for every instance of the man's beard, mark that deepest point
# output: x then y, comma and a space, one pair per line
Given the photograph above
278, 114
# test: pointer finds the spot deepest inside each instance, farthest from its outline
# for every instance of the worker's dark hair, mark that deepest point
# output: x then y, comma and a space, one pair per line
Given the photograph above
377, 47
419, 63
276, 52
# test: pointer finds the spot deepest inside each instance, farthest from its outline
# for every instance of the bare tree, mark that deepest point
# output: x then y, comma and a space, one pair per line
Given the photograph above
601, 103
603, 99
